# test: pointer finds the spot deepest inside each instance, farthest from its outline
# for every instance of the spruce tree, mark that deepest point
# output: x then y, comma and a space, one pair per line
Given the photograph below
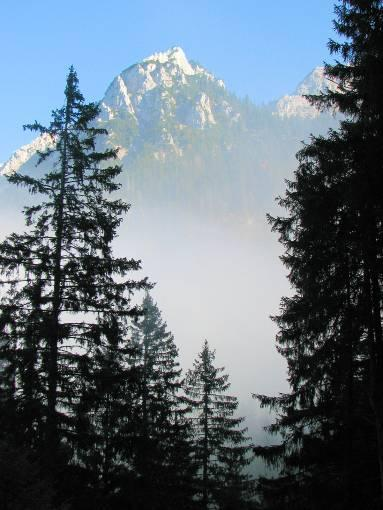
359, 97
63, 290
221, 449
159, 431
331, 328
102, 418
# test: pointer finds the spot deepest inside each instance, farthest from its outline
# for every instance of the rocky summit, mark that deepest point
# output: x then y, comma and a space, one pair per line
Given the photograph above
296, 104
184, 139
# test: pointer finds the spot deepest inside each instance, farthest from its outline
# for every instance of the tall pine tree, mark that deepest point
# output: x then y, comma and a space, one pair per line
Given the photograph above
63, 290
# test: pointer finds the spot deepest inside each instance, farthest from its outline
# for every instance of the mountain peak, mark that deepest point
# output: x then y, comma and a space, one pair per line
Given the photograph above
162, 70
296, 105
175, 56
314, 83
163, 90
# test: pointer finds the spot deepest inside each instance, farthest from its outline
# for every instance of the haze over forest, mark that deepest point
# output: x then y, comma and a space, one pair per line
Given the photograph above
191, 280
201, 168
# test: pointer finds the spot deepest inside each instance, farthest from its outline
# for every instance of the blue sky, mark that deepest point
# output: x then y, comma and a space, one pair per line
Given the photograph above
261, 49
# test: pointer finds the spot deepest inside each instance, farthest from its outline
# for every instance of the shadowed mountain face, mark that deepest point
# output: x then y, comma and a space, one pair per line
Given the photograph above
185, 141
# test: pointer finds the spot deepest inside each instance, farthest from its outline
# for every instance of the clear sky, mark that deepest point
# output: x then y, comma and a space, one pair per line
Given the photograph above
260, 48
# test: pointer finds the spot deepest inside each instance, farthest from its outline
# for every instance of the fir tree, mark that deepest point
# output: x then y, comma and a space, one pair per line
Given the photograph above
63, 288
159, 430
221, 449
102, 420
331, 329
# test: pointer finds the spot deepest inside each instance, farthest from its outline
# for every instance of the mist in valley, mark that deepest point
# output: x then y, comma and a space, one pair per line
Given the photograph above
199, 198
212, 258
216, 283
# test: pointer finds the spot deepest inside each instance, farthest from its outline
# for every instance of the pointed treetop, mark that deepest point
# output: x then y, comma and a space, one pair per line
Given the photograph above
72, 92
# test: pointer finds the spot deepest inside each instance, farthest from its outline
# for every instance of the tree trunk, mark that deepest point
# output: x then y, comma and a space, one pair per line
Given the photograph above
348, 401
205, 459
52, 438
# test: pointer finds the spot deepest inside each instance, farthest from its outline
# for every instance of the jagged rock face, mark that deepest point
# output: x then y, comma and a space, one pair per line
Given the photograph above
167, 92
153, 86
296, 105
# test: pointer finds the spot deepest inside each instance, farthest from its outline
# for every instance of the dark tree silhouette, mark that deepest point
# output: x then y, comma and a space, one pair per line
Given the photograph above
161, 450
330, 330
221, 449
21, 482
64, 293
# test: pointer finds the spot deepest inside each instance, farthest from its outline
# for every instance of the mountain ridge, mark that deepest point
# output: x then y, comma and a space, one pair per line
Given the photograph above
187, 144
167, 88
